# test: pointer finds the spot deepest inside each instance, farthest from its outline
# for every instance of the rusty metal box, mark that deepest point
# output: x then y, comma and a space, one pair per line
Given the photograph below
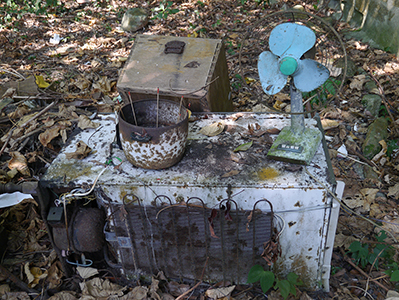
174, 220
197, 71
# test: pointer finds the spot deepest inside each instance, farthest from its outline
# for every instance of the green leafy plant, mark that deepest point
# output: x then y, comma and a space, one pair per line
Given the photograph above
392, 146
164, 10
236, 84
11, 10
230, 47
360, 252
217, 23
268, 280
365, 254
393, 272
321, 95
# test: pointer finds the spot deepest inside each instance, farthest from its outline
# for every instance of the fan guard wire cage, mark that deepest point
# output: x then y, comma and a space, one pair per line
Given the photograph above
329, 50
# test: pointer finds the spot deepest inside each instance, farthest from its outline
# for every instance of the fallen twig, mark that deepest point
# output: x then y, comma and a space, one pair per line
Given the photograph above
361, 271
39, 113
7, 141
22, 285
195, 286
348, 208
16, 141
15, 73
372, 266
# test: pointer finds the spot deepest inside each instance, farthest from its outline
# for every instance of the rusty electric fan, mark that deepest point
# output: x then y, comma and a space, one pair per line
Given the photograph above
304, 51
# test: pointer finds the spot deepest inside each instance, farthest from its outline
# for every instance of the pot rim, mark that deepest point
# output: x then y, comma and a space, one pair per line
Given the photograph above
121, 119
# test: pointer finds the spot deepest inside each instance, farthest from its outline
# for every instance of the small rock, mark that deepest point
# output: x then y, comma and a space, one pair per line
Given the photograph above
372, 103
358, 168
371, 86
351, 68
369, 173
134, 19
377, 131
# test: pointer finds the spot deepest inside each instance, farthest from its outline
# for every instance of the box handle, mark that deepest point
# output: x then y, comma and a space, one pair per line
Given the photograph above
175, 46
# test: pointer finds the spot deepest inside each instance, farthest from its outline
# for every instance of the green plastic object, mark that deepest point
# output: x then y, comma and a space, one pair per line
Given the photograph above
288, 65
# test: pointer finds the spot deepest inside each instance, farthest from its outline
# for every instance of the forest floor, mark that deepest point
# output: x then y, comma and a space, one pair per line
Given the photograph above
77, 77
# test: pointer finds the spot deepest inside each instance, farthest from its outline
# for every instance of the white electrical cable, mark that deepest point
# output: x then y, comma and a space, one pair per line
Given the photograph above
63, 198
283, 226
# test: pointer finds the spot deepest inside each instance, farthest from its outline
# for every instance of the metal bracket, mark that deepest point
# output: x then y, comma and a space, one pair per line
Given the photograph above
124, 242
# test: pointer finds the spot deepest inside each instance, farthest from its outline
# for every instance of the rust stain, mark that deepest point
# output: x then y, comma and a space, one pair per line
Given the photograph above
267, 173
298, 204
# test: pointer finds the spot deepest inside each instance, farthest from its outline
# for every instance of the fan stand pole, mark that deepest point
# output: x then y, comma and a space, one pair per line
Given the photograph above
296, 143
297, 120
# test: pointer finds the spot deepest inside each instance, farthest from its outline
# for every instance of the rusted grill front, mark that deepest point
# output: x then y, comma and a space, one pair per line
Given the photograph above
177, 239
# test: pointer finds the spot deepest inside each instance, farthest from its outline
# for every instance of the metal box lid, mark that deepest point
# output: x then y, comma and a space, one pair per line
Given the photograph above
149, 67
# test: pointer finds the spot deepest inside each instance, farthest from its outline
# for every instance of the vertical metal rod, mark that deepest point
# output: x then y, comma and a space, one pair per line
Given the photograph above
238, 261
181, 102
147, 236
157, 105
133, 112
222, 242
297, 120
190, 240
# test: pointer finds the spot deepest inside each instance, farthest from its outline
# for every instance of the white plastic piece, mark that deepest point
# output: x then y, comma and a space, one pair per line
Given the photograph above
332, 228
55, 40
11, 199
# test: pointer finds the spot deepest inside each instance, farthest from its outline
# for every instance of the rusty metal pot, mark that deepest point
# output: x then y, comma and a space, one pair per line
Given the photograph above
144, 144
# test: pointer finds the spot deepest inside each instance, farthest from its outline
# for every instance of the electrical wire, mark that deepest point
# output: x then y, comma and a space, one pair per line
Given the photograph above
282, 227
347, 207
64, 197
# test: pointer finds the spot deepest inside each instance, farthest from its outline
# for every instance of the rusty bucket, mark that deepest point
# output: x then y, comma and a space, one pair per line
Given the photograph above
146, 145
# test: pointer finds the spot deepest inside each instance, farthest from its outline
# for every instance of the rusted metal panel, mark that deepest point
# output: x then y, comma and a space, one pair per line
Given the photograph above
182, 242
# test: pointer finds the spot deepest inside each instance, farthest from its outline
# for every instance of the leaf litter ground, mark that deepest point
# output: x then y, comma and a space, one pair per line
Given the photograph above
56, 89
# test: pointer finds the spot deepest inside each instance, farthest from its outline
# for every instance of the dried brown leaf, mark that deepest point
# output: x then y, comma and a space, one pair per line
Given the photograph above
82, 151
19, 162
82, 83
231, 173
368, 197
19, 112
329, 124
99, 288
84, 122
46, 137
273, 131
213, 129
220, 292
394, 191
64, 295
357, 82
104, 85
67, 112
138, 293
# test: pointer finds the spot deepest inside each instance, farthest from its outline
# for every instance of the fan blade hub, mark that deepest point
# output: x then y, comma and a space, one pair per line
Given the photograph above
288, 65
